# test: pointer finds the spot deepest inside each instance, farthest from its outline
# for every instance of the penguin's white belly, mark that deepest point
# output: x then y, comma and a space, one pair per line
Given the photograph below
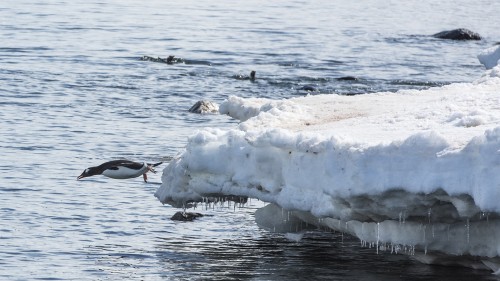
124, 172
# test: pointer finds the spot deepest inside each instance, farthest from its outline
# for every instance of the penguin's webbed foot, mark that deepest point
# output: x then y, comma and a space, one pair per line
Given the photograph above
151, 169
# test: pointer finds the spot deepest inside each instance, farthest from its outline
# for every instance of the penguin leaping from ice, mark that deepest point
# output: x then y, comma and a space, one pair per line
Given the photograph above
120, 169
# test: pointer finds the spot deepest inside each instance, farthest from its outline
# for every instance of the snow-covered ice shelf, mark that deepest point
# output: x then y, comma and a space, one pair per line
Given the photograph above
415, 171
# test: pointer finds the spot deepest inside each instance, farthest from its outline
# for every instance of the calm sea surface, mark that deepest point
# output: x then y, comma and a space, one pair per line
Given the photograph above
74, 93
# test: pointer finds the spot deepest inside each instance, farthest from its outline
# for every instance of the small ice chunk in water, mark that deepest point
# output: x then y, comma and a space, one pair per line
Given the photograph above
295, 237
490, 57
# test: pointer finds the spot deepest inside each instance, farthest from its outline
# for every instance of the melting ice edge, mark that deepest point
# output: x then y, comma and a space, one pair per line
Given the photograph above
415, 172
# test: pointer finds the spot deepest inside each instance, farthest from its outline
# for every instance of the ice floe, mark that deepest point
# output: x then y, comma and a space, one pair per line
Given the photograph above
415, 172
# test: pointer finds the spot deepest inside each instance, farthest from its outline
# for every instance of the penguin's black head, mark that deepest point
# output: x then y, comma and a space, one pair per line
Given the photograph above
92, 171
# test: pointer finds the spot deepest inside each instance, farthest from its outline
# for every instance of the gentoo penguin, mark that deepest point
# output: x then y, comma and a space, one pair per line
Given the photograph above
120, 169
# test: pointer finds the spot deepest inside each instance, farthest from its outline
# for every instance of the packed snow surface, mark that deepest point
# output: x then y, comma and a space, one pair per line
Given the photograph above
412, 171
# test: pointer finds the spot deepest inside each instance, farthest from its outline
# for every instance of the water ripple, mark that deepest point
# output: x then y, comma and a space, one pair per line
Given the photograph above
74, 94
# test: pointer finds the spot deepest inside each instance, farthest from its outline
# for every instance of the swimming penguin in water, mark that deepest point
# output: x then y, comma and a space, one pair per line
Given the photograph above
244, 77
120, 169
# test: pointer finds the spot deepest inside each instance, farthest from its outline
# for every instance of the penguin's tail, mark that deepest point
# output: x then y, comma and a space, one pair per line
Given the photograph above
156, 164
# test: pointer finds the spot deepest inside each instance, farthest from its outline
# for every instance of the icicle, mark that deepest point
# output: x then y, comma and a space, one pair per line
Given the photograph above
468, 231
429, 215
378, 235
424, 239
425, 242
403, 216
397, 248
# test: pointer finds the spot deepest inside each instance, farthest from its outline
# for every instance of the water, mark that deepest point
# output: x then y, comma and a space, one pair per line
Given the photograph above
73, 94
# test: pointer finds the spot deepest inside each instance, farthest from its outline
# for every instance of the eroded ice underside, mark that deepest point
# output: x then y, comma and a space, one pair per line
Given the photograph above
416, 170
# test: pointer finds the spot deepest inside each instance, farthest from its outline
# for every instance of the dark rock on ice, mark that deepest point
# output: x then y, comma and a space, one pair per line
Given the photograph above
458, 34
204, 106
185, 216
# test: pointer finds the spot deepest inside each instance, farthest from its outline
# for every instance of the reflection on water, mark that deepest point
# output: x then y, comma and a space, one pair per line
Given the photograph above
210, 249
105, 229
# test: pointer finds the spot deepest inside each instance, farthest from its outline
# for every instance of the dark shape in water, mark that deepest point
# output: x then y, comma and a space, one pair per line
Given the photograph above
347, 78
307, 88
185, 216
458, 34
243, 77
168, 60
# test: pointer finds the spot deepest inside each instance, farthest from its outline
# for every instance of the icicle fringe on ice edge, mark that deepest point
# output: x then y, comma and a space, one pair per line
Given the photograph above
413, 172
